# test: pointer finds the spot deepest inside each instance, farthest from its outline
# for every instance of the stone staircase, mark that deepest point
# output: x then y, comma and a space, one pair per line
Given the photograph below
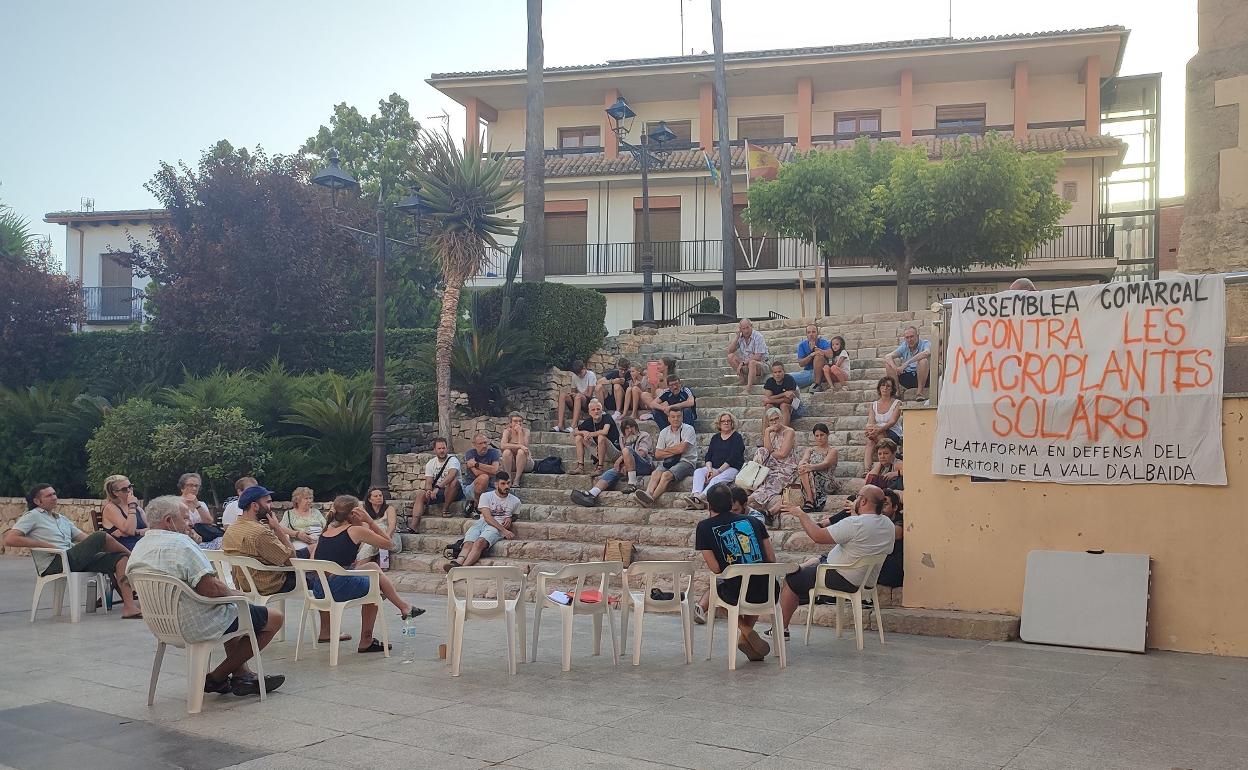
553, 531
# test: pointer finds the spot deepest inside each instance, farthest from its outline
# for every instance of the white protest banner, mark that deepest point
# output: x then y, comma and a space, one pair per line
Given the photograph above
1119, 383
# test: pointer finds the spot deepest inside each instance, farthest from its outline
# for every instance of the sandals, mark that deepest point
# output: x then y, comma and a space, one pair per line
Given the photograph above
809, 507
376, 646
577, 470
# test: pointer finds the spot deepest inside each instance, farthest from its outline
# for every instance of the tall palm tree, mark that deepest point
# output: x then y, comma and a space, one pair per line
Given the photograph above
535, 152
16, 240
465, 193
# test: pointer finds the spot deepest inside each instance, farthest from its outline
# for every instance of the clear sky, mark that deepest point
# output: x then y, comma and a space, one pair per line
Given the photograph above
98, 93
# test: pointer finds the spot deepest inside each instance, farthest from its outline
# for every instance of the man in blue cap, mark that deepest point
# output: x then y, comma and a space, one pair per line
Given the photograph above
258, 535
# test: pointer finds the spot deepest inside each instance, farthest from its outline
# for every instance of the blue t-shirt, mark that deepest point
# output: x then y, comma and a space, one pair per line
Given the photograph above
904, 353
803, 350
491, 456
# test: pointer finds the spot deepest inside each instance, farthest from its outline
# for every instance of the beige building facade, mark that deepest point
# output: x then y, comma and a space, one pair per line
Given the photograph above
1041, 90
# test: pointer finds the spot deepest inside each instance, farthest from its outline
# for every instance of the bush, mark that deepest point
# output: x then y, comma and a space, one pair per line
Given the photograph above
708, 305
566, 322
123, 444
219, 444
153, 445
43, 434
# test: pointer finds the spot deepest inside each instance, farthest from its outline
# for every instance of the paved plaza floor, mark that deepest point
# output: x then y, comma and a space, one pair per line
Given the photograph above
74, 696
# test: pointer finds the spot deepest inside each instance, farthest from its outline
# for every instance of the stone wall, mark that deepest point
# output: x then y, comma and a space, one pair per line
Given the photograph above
1215, 222
78, 511
537, 404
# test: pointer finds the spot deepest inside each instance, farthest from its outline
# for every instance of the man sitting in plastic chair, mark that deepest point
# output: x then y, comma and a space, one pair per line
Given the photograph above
168, 550
43, 527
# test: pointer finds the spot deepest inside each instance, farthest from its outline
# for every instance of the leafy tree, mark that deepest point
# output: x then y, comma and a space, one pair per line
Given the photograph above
38, 304
467, 194
384, 148
219, 444
989, 206
249, 251
123, 444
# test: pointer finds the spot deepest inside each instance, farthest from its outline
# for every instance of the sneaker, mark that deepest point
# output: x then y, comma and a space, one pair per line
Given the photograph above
470, 510
699, 615
583, 498
616, 416
644, 498
769, 631
627, 489
251, 685
646, 416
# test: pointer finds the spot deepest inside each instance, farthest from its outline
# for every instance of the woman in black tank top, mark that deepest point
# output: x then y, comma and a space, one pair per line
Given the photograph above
348, 526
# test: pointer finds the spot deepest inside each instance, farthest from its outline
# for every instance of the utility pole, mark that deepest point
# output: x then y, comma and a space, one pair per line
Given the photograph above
725, 165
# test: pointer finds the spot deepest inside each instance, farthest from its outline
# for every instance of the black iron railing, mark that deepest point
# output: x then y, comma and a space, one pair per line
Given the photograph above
678, 300
1078, 242
759, 253
112, 304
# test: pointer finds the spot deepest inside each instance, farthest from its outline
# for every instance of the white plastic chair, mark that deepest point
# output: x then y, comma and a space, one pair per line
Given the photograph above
245, 566
161, 596
220, 561
640, 579
76, 583
458, 610
602, 570
873, 564
773, 571
311, 604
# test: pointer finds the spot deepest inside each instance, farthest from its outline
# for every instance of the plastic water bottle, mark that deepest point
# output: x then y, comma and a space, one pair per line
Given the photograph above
93, 594
408, 643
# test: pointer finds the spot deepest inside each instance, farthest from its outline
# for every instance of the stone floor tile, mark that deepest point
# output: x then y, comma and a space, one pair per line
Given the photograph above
683, 752
558, 757
478, 742
875, 756
520, 725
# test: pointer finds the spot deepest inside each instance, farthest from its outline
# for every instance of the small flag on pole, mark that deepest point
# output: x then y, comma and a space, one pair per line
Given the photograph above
711, 168
760, 163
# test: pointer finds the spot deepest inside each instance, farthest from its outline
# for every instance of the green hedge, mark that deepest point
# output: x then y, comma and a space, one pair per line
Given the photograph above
107, 360
565, 321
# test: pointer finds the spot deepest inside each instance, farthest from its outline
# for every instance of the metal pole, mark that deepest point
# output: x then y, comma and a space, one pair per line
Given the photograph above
729, 254
647, 253
378, 474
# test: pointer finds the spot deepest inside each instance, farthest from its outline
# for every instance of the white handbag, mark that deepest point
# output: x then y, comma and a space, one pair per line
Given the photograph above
752, 475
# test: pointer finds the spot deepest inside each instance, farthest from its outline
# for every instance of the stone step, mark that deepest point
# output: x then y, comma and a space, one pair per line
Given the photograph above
569, 522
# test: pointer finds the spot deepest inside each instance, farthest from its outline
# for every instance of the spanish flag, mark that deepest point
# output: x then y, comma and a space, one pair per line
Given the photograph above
760, 163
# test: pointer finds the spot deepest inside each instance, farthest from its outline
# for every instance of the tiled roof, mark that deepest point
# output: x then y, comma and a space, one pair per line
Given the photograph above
828, 50
1038, 140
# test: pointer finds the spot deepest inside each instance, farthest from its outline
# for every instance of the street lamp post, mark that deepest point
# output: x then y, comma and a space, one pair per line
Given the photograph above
622, 117
334, 178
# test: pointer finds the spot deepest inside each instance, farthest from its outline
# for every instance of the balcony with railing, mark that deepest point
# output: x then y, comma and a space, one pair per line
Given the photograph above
1076, 242
112, 304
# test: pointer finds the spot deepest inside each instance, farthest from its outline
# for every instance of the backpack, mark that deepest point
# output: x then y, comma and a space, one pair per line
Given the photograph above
551, 464
452, 550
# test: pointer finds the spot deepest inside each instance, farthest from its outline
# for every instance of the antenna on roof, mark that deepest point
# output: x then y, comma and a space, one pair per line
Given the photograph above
950, 18
86, 204
444, 119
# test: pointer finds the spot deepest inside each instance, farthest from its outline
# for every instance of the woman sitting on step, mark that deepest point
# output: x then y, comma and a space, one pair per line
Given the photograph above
884, 421
816, 469
778, 455
724, 457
